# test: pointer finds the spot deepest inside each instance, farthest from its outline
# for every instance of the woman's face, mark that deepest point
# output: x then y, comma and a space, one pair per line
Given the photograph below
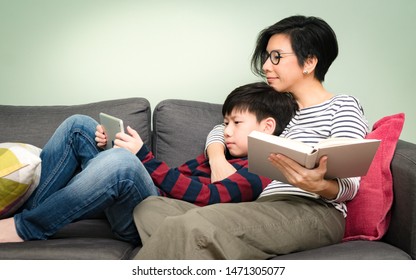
287, 74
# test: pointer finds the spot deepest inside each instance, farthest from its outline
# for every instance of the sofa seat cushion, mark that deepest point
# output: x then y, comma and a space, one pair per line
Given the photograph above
84, 240
76, 248
351, 250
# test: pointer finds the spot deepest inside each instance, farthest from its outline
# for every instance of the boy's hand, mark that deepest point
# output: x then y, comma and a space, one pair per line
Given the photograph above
131, 141
100, 137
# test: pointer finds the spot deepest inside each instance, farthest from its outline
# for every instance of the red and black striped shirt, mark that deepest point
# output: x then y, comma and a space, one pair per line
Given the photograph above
192, 181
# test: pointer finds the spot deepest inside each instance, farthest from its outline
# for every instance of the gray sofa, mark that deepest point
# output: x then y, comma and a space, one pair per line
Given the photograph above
176, 131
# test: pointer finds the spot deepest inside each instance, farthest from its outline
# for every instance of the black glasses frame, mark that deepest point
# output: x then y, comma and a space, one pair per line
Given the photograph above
274, 56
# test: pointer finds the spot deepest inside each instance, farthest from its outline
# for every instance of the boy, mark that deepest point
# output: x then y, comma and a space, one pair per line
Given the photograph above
251, 107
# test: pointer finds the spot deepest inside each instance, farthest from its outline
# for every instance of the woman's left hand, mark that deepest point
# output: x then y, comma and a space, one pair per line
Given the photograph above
131, 141
311, 180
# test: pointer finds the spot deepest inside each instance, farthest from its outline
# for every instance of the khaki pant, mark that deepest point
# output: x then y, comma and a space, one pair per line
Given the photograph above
174, 229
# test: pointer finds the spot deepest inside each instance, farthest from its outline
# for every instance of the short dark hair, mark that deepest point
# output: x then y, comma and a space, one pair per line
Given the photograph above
264, 101
309, 36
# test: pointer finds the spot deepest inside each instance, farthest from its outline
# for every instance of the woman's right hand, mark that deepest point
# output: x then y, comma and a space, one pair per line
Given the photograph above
100, 137
220, 167
311, 180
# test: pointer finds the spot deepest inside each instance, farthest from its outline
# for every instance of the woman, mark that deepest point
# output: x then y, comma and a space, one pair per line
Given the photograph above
294, 56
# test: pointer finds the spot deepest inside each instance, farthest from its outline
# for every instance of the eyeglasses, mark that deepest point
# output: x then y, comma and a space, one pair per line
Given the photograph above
274, 56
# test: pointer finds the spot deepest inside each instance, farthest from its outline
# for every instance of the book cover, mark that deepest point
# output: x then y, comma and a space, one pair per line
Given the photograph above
347, 157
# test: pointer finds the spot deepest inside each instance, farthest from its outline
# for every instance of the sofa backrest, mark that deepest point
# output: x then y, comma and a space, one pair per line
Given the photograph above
180, 128
36, 124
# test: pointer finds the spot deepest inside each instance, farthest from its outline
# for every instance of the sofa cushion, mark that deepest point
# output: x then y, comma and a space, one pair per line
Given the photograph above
20, 167
353, 250
181, 127
89, 239
369, 212
75, 248
35, 124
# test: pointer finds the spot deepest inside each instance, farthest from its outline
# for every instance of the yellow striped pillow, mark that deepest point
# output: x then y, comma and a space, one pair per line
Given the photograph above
20, 167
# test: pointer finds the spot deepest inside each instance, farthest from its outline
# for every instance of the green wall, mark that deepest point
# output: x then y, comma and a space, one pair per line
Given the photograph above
80, 51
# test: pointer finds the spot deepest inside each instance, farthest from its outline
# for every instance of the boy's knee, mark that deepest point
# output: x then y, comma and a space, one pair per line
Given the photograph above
119, 159
79, 119
80, 124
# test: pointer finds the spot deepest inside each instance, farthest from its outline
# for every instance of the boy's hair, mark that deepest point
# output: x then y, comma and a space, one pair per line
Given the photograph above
263, 101
309, 37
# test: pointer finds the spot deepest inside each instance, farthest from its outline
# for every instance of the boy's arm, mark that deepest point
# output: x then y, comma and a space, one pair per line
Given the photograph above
220, 167
215, 152
191, 182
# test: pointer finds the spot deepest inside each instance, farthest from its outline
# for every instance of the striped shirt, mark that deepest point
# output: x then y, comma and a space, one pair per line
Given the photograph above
341, 116
191, 181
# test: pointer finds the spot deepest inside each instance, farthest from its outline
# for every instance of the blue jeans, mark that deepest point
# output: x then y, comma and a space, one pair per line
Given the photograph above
79, 180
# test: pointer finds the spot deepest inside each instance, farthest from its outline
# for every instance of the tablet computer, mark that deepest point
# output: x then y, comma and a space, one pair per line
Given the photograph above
112, 126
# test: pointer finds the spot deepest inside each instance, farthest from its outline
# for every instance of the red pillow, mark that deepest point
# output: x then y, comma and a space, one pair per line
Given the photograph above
368, 215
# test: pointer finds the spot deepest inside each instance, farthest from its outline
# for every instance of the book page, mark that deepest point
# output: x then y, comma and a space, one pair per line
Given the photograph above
333, 142
283, 142
350, 160
347, 157
261, 145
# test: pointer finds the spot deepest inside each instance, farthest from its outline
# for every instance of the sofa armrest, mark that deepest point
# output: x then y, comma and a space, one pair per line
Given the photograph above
402, 229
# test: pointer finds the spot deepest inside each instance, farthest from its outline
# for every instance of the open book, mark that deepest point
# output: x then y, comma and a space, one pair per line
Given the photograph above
347, 157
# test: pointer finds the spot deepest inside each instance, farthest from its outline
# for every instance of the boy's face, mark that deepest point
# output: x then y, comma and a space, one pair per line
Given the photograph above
238, 125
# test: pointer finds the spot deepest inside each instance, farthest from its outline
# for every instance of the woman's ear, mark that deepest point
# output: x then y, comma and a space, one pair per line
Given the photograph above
269, 125
310, 64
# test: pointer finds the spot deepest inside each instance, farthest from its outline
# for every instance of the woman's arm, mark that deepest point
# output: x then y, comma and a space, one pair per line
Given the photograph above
348, 121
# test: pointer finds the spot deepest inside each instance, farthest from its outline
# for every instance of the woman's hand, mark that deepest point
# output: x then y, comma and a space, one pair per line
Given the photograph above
220, 167
131, 141
311, 180
100, 137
